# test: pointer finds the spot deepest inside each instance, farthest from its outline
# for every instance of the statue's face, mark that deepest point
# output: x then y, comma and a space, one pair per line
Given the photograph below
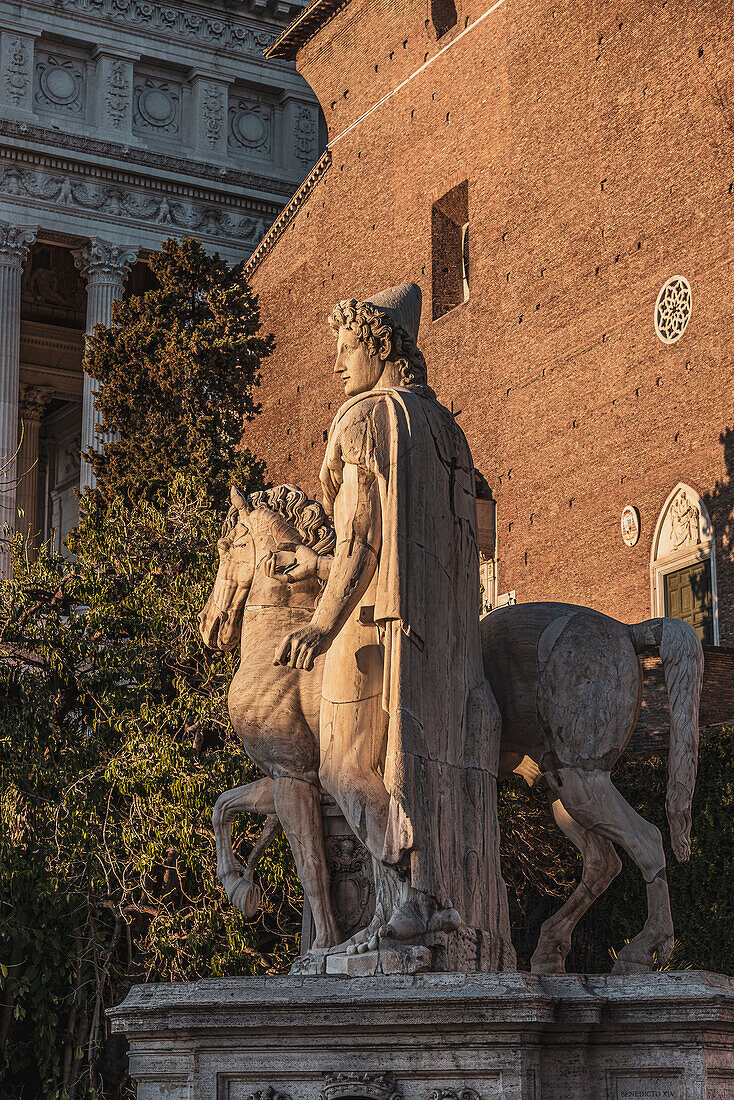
358, 369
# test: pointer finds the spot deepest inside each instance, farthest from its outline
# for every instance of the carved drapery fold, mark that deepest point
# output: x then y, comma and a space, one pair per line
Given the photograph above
104, 266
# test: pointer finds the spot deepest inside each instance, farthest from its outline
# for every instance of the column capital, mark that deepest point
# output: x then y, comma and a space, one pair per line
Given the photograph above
101, 262
15, 243
32, 401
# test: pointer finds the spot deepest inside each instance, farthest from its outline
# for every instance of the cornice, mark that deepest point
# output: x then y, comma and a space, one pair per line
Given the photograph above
217, 29
288, 213
303, 28
94, 148
12, 157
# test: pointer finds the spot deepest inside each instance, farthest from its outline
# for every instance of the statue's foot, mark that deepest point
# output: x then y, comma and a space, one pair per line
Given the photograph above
414, 918
362, 939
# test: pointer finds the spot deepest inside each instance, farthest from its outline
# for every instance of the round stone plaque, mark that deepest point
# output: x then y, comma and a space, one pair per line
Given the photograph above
630, 525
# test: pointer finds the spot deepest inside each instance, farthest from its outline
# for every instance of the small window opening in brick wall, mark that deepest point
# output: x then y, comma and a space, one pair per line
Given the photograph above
450, 249
443, 16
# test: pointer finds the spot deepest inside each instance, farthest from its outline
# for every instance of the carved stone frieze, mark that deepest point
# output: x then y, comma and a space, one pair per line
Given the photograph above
455, 1094
360, 1086
117, 92
163, 161
176, 21
120, 201
250, 127
685, 522
59, 84
212, 109
18, 69
157, 105
305, 135
352, 886
269, 1093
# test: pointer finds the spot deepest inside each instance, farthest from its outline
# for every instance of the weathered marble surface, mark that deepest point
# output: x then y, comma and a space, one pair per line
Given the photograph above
663, 1036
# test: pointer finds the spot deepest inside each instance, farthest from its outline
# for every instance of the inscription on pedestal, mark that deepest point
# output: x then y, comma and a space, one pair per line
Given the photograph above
720, 1086
645, 1085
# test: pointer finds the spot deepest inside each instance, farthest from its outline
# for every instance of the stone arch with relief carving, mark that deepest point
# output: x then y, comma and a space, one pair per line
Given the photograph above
683, 563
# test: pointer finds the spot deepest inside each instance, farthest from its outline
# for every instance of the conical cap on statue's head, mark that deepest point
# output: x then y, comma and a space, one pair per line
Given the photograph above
403, 305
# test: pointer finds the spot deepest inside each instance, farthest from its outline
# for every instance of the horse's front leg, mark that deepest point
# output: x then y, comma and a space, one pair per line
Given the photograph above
256, 798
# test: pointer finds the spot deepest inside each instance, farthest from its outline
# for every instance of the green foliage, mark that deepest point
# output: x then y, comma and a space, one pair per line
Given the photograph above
114, 744
177, 368
702, 898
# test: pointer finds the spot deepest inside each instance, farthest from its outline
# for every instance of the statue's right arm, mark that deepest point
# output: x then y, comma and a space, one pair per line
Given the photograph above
355, 556
352, 569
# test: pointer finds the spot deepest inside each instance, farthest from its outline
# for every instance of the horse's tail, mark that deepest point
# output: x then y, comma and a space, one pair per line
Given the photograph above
681, 654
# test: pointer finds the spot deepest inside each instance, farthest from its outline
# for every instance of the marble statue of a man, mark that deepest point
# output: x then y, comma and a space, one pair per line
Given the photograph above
409, 728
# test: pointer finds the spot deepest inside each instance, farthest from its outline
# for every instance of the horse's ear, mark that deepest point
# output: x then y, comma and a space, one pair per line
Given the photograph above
239, 500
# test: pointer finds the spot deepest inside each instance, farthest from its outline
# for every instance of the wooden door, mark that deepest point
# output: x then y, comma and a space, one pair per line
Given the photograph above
688, 597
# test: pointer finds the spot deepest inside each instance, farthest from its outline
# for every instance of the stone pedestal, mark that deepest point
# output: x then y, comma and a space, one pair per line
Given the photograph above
663, 1036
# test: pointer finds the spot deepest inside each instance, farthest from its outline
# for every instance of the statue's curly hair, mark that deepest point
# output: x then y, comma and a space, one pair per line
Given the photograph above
382, 337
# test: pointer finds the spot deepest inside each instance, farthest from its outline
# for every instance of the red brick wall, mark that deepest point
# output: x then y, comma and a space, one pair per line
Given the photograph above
599, 163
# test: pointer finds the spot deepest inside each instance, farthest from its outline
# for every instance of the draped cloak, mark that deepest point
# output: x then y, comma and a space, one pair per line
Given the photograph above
443, 722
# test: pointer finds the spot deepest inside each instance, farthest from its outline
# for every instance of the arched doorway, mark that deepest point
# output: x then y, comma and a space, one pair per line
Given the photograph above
683, 564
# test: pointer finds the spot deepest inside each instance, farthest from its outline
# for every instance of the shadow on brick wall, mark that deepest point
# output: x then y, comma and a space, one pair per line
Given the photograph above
717, 696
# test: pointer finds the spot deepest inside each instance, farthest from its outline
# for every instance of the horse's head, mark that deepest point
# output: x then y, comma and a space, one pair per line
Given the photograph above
220, 622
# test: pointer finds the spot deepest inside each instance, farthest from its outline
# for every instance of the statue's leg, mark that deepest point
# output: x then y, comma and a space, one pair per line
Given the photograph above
352, 737
352, 746
256, 798
298, 805
595, 803
601, 867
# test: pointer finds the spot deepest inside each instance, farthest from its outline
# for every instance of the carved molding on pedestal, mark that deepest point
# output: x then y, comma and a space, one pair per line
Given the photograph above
360, 1086
269, 1093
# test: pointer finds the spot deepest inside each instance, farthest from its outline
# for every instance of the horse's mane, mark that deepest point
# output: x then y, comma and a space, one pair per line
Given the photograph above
305, 515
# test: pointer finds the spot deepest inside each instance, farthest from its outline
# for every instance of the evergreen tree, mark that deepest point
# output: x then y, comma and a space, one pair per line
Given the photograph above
115, 743
178, 366
115, 740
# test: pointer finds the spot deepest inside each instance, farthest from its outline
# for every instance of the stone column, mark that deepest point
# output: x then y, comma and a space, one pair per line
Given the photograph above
15, 241
104, 266
33, 401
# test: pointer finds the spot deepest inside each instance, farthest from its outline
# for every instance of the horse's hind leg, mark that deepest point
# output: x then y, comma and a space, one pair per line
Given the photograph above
593, 800
298, 805
601, 867
256, 798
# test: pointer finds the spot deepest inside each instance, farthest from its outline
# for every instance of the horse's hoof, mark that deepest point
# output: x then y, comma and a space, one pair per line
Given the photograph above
245, 895
547, 962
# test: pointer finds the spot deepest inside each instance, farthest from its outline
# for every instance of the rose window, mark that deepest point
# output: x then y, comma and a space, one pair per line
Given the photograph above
673, 309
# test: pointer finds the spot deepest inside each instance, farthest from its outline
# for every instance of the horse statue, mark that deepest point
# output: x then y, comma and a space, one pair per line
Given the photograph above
568, 683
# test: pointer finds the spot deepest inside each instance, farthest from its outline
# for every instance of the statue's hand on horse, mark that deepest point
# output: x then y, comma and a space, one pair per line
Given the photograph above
301, 647
293, 562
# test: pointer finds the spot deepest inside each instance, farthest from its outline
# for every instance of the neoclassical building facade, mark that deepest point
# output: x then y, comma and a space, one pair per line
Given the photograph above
122, 123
